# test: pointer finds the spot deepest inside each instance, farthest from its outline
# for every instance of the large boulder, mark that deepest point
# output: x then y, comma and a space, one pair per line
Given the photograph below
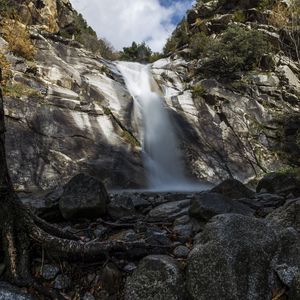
83, 197
206, 205
232, 260
233, 189
157, 277
280, 183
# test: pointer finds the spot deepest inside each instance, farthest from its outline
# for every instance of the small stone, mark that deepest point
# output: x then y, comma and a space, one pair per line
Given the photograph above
181, 251
100, 231
88, 296
62, 282
49, 272
157, 237
130, 267
183, 232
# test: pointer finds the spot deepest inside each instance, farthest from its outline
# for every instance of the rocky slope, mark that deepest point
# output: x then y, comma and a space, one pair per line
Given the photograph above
225, 243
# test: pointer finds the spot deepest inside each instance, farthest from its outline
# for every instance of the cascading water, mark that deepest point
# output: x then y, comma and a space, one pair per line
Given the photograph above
162, 157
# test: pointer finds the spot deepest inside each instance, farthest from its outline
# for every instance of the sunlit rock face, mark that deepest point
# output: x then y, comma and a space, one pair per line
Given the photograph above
74, 118
50, 15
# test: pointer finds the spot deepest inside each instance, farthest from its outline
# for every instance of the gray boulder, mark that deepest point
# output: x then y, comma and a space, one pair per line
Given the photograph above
287, 215
157, 277
83, 197
232, 260
9, 292
233, 189
206, 205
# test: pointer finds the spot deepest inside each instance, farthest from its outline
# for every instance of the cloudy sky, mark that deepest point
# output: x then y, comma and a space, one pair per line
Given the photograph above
124, 21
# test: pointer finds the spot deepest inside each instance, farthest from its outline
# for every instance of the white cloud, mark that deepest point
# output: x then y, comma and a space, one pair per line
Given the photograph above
124, 21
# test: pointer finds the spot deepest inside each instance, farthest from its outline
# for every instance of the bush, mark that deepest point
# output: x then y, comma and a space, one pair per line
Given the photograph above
237, 49
18, 39
239, 16
5, 69
19, 90
137, 52
84, 34
198, 44
198, 90
179, 38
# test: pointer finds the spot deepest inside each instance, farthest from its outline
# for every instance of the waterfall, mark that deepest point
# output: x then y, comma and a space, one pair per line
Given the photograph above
162, 156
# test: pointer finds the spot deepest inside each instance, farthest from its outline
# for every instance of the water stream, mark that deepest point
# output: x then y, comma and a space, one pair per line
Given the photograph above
162, 155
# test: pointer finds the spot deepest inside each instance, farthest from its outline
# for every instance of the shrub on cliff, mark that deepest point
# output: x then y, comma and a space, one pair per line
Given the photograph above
5, 70
140, 53
18, 39
236, 50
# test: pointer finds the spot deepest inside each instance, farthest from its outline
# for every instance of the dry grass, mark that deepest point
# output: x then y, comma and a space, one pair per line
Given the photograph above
18, 39
5, 68
280, 16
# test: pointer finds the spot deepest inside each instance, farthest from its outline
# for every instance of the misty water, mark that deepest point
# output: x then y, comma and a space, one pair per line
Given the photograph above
162, 156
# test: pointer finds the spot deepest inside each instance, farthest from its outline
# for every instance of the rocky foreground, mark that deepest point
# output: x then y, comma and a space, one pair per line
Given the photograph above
225, 243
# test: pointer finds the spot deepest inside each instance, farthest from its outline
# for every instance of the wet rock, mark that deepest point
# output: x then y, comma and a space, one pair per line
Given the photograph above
157, 277
10, 292
278, 183
169, 211
232, 260
233, 189
83, 197
155, 236
62, 282
49, 272
181, 251
206, 205
183, 232
121, 206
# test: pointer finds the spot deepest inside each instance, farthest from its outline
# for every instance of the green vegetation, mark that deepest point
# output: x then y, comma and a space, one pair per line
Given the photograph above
19, 90
84, 34
239, 16
236, 50
179, 38
140, 53
198, 90
18, 39
5, 69
8, 8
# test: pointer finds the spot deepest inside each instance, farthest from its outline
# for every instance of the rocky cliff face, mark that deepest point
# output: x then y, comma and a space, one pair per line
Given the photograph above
50, 15
240, 126
69, 110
